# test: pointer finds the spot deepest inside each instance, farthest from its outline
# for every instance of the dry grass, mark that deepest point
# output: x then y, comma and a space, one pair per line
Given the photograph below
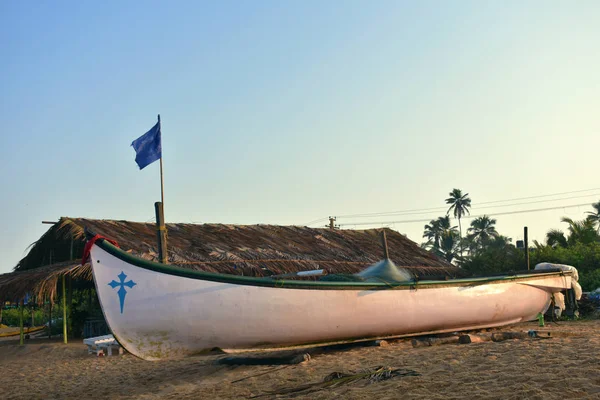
230, 249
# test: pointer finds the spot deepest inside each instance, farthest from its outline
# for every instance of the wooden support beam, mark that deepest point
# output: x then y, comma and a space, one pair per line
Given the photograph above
50, 318
474, 338
161, 233
70, 304
434, 341
501, 336
64, 300
22, 334
386, 253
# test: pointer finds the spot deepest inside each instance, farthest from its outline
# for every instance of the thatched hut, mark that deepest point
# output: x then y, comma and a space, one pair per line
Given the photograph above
251, 250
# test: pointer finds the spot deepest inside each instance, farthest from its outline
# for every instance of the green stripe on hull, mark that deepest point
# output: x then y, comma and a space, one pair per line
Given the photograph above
291, 284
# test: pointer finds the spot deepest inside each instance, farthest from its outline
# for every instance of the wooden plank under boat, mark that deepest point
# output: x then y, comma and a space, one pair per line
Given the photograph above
158, 311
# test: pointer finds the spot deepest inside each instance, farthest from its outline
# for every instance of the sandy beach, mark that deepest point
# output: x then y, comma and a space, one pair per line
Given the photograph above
565, 367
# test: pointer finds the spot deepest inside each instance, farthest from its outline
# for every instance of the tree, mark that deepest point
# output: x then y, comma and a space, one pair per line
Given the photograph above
459, 205
594, 216
499, 255
449, 245
501, 242
581, 231
481, 231
434, 230
556, 237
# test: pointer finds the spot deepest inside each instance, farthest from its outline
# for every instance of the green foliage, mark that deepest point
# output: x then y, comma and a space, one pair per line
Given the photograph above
584, 257
594, 216
435, 230
499, 256
590, 280
84, 304
10, 316
556, 237
459, 205
491, 253
581, 231
481, 232
449, 245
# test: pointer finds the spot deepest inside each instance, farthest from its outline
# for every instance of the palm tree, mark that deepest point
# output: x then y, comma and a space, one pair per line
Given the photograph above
501, 242
434, 230
556, 237
449, 243
432, 233
459, 204
482, 230
581, 231
594, 216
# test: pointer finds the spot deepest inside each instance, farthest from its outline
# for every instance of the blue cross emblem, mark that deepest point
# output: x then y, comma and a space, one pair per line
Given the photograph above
122, 291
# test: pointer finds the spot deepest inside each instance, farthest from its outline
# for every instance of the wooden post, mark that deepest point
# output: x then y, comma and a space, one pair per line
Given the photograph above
70, 305
162, 190
50, 318
386, 253
161, 233
22, 334
70, 295
525, 239
64, 298
434, 341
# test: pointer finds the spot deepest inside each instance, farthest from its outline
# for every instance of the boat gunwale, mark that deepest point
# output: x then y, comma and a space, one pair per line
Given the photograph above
315, 285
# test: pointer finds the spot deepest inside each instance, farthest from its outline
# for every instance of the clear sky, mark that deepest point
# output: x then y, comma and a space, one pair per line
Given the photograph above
283, 112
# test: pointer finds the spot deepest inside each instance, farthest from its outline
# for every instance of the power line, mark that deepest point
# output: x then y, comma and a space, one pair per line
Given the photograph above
466, 216
485, 207
543, 195
315, 221
432, 209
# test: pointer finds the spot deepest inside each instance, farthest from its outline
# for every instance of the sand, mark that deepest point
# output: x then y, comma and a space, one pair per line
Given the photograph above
558, 368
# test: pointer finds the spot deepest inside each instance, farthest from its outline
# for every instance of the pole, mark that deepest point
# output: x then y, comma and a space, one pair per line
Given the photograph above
526, 247
64, 298
161, 233
161, 229
50, 313
386, 253
50, 318
70, 304
22, 335
162, 184
71, 251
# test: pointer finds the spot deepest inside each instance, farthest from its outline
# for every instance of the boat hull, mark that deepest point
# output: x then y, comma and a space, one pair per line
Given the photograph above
157, 315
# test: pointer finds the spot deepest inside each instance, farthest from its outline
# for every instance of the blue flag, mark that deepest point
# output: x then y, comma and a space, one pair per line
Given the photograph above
148, 147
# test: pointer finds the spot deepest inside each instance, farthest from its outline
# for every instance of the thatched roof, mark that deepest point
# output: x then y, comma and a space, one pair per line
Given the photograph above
230, 249
41, 282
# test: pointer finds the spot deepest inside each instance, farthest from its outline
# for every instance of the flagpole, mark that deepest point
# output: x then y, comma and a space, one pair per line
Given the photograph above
162, 184
161, 229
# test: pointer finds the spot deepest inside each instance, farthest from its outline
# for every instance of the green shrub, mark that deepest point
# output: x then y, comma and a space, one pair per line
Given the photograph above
10, 317
590, 280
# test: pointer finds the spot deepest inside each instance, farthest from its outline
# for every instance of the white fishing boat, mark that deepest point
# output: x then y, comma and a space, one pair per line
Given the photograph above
158, 311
